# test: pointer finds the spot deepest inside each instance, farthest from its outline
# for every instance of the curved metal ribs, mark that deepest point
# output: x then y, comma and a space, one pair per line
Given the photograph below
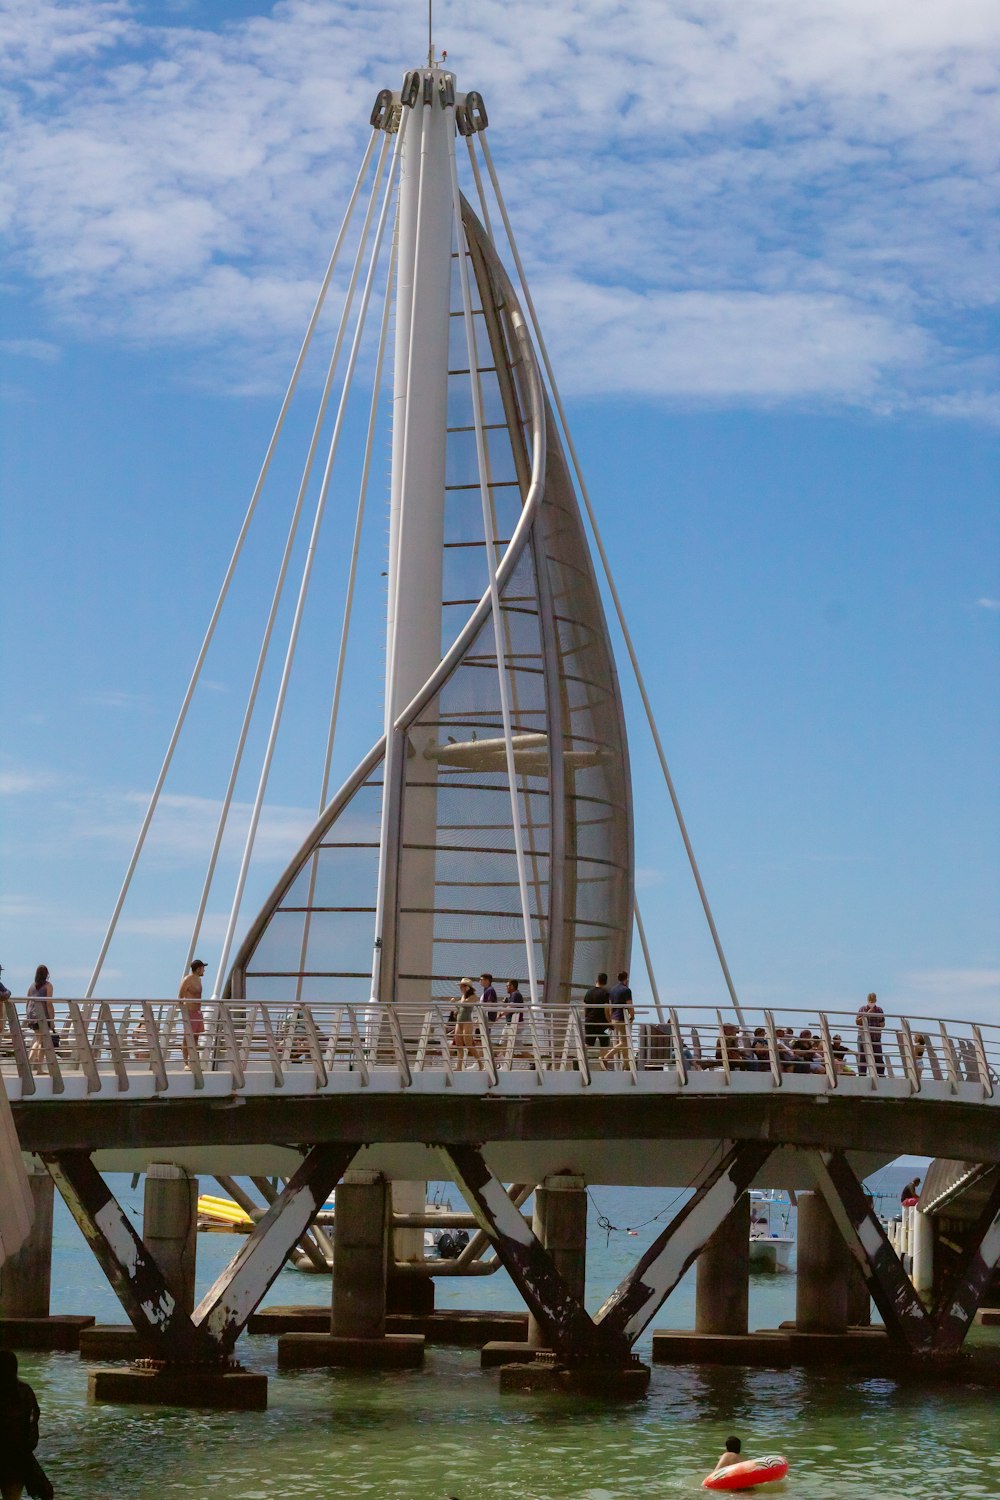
451, 903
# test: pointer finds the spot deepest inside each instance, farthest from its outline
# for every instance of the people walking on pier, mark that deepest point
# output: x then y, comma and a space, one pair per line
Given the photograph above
621, 1014
465, 1033
189, 995
19, 1468
595, 1014
488, 999
513, 1002
870, 1023
41, 1015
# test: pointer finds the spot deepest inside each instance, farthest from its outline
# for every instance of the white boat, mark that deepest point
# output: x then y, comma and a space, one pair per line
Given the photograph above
770, 1242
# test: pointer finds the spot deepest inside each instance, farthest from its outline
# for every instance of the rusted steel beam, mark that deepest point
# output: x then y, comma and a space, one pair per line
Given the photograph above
567, 1326
636, 1301
961, 1297
163, 1326
223, 1311
906, 1320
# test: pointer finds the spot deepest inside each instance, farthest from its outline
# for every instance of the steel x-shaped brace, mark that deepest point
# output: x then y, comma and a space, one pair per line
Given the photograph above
166, 1330
569, 1329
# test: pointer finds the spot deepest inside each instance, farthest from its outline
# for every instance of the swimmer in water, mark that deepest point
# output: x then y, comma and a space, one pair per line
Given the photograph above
731, 1454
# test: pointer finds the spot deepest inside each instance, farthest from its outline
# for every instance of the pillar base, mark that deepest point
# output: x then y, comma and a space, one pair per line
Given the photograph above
110, 1341
623, 1383
988, 1317
231, 1390
306, 1351
499, 1352
461, 1326
765, 1350
54, 1332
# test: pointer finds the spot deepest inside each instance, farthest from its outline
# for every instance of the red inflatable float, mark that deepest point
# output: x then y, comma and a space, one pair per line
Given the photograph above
745, 1476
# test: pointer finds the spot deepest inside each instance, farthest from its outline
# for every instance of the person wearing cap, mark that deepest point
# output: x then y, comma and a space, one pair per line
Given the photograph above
465, 1034
190, 996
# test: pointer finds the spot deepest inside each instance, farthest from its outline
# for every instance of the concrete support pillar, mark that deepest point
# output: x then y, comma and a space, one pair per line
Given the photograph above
859, 1298
821, 1295
170, 1227
26, 1278
560, 1225
723, 1275
360, 1255
922, 1250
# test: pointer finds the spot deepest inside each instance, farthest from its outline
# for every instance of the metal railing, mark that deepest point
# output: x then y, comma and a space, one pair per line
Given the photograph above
270, 1046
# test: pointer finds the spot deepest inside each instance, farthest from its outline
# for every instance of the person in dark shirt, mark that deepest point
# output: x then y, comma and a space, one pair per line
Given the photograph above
19, 1435
621, 1013
488, 998
513, 1002
595, 1013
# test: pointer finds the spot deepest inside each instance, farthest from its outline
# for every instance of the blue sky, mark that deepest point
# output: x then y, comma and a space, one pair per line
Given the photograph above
763, 246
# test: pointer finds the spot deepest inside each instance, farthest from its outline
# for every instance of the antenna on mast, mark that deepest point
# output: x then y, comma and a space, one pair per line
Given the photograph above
430, 33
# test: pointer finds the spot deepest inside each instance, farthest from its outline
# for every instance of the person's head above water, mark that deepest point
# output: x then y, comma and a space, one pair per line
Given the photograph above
733, 1445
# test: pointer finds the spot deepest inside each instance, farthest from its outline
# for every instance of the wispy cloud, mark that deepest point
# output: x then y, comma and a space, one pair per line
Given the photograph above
752, 202
184, 826
985, 603
111, 698
38, 349
22, 781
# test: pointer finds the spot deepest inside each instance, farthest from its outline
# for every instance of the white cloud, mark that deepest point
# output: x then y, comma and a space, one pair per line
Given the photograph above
754, 202
985, 603
16, 783
38, 349
184, 826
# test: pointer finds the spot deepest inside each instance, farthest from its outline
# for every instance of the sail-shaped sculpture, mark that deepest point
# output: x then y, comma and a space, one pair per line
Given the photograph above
428, 858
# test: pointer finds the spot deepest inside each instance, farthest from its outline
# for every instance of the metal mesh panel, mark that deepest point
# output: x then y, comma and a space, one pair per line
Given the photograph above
316, 944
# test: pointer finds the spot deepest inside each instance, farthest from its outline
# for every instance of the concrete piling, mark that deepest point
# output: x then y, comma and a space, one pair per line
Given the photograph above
821, 1289
361, 1246
722, 1295
26, 1283
559, 1223
170, 1227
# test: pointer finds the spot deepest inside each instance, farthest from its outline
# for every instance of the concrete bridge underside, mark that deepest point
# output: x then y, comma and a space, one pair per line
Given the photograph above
631, 1140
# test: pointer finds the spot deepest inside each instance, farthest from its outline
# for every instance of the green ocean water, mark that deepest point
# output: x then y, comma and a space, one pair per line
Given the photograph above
445, 1430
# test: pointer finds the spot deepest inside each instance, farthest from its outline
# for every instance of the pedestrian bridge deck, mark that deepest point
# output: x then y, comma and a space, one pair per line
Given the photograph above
111, 1049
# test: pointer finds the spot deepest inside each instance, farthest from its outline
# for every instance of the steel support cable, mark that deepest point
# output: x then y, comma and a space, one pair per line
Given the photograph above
390, 674
279, 588
489, 539
605, 563
654, 988
348, 607
317, 523
230, 571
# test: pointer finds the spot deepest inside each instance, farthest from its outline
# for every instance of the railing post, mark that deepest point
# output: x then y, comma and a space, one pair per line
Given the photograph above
828, 1060
680, 1063
983, 1063
773, 1054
